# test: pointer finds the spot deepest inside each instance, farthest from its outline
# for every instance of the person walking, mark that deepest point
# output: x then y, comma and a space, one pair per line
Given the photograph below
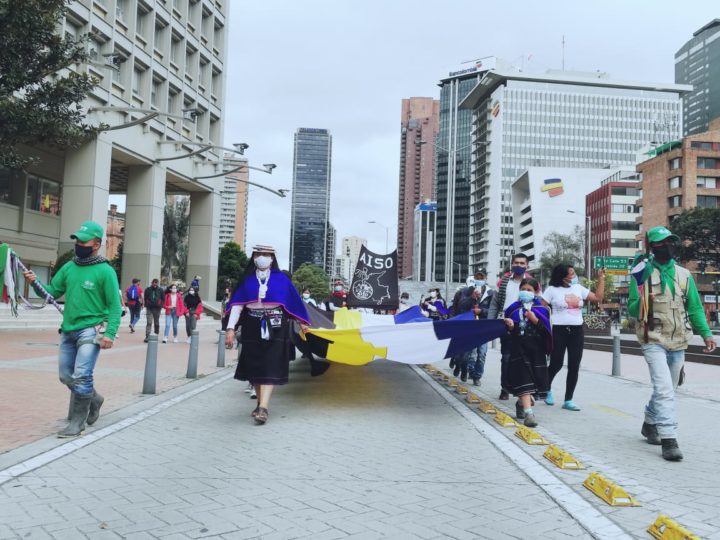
134, 299
475, 298
507, 293
174, 307
154, 299
667, 312
566, 297
529, 341
192, 308
264, 302
435, 305
90, 322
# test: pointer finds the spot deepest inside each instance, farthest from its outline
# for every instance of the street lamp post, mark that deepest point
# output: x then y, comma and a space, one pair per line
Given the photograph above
387, 233
459, 270
588, 228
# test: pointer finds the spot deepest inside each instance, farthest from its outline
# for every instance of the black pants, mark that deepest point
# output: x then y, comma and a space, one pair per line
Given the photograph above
190, 324
570, 338
504, 362
152, 314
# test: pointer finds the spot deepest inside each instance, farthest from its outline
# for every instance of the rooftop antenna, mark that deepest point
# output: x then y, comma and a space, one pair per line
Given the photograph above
563, 52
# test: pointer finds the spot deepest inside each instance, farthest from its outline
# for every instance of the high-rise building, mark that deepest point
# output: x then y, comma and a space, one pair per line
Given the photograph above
698, 63
349, 253
679, 176
423, 260
330, 249
557, 119
418, 133
234, 206
453, 157
164, 57
310, 212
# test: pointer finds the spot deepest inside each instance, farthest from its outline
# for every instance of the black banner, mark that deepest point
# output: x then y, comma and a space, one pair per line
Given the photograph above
375, 281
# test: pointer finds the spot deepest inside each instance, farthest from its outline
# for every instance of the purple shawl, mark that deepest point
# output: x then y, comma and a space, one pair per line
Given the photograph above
280, 291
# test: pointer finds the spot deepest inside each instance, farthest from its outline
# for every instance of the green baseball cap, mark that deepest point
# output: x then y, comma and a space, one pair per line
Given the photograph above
88, 231
658, 234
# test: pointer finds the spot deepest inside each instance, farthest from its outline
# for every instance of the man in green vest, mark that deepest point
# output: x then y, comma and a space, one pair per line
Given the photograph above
674, 310
90, 322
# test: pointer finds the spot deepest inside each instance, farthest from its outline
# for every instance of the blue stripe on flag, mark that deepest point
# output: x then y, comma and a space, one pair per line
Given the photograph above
465, 335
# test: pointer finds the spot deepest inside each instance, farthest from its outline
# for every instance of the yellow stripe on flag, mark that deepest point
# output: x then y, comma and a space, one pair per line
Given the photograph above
348, 346
548, 187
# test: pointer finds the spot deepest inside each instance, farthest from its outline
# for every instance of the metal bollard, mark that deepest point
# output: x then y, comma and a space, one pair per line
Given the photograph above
616, 356
221, 349
193, 355
150, 365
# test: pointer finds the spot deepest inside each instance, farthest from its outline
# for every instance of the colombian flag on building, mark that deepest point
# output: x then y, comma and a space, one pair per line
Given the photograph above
357, 338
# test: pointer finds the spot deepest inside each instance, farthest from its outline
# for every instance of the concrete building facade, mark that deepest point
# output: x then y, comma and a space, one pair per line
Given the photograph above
418, 133
349, 254
697, 63
557, 119
423, 261
330, 250
161, 72
310, 211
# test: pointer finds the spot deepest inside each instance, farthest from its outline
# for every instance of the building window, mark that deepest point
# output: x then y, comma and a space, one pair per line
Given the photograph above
625, 191
675, 201
675, 163
120, 9
10, 187
708, 163
705, 145
707, 201
155, 92
625, 209
138, 76
710, 182
675, 182
43, 195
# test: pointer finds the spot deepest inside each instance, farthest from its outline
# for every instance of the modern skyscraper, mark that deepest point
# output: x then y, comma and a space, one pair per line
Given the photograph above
453, 164
310, 211
349, 254
557, 119
423, 260
233, 207
698, 63
330, 249
418, 133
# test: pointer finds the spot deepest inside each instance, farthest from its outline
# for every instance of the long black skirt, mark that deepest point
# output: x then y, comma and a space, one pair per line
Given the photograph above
527, 371
264, 361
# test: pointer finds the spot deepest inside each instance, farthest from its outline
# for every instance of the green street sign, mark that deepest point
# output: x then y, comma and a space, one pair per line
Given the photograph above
613, 265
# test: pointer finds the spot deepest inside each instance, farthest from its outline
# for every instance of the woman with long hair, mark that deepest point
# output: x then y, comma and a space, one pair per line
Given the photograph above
264, 303
566, 297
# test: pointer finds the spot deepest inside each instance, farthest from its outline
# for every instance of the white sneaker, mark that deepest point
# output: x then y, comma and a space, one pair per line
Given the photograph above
164, 340
253, 393
174, 340
249, 388
188, 340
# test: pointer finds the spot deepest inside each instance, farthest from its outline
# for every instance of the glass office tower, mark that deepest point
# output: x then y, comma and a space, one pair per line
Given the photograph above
310, 197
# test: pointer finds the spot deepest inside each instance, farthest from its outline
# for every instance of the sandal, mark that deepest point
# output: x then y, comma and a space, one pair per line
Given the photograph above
262, 415
255, 411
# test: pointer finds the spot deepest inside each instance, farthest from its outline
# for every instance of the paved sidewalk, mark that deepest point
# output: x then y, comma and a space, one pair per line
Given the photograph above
36, 405
366, 453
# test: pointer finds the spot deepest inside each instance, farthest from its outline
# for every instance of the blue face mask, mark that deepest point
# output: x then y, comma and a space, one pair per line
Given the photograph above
518, 270
526, 297
479, 283
574, 281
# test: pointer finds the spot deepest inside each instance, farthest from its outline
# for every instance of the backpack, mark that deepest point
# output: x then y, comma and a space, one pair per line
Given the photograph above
132, 292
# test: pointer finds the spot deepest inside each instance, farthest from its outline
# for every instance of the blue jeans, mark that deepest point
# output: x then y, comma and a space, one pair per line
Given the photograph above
78, 355
172, 318
135, 313
664, 368
477, 361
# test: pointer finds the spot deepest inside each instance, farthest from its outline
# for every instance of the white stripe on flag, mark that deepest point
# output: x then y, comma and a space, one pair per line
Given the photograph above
411, 343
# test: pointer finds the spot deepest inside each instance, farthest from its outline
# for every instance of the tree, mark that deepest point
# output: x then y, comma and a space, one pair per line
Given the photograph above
175, 238
314, 278
39, 102
699, 230
117, 261
61, 261
565, 249
231, 264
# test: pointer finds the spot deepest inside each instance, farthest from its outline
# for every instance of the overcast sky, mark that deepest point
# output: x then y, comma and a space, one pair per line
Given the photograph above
345, 66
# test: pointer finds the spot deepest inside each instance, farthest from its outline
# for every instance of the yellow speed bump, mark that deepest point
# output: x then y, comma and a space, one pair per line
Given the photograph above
665, 528
609, 492
486, 407
444, 376
530, 436
562, 459
462, 389
504, 420
473, 398
453, 383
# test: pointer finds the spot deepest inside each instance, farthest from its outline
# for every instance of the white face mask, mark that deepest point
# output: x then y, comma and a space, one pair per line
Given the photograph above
173, 290
306, 295
191, 292
263, 261
433, 294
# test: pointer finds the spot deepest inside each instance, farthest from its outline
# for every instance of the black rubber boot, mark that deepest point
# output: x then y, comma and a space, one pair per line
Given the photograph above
671, 450
650, 432
96, 401
80, 410
519, 410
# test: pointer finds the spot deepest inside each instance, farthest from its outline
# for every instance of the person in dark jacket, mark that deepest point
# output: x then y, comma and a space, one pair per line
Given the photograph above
153, 298
476, 298
193, 309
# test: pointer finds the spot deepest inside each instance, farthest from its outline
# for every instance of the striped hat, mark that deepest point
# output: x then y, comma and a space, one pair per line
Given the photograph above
261, 248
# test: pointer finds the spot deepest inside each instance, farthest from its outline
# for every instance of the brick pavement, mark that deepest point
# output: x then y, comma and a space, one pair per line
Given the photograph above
369, 452
38, 402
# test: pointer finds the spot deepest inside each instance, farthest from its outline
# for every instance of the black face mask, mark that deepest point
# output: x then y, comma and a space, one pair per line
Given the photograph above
663, 253
83, 252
